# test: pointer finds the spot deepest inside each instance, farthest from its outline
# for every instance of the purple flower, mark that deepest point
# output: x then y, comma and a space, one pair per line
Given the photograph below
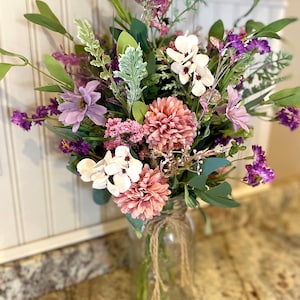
40, 114
81, 103
238, 116
262, 46
80, 147
258, 172
21, 119
67, 59
235, 41
288, 116
53, 107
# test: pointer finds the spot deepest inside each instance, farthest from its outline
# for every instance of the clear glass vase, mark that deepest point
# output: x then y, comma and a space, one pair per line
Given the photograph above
162, 256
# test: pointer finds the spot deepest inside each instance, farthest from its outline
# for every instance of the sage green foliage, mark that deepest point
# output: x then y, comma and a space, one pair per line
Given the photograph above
92, 46
132, 70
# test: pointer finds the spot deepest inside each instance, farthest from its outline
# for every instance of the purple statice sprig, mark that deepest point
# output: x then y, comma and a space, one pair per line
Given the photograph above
42, 112
258, 172
288, 116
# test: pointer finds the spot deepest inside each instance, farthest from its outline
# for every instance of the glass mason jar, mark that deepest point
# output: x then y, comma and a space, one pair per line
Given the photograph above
162, 256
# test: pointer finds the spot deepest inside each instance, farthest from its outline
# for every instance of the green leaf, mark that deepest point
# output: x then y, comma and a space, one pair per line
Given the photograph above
198, 182
139, 31
4, 68
46, 22
115, 32
189, 199
65, 132
125, 40
277, 25
286, 97
211, 164
252, 25
207, 223
46, 11
139, 110
218, 196
268, 34
51, 88
136, 223
58, 71
101, 197
217, 30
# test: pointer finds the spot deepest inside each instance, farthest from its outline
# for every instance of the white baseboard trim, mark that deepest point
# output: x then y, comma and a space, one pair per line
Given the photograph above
62, 240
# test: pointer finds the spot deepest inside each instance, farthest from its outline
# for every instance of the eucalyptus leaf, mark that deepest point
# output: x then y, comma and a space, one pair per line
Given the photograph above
198, 182
211, 164
136, 223
101, 196
58, 71
219, 195
139, 110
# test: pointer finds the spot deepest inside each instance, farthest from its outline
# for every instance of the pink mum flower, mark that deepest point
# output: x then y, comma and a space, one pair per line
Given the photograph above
146, 197
169, 125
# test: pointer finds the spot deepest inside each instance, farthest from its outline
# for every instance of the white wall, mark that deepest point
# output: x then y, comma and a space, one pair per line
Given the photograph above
42, 205
284, 145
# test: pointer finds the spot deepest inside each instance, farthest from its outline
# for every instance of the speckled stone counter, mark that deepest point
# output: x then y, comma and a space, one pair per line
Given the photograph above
253, 253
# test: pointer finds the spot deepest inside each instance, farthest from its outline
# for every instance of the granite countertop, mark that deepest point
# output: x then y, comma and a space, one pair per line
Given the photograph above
253, 253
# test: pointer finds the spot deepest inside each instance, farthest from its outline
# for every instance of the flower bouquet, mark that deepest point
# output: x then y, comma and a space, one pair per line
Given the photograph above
149, 114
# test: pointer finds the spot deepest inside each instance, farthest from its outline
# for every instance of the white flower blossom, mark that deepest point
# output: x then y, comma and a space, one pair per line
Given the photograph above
116, 173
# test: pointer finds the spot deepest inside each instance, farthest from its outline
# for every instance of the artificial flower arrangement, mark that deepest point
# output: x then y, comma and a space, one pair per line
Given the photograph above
146, 115
150, 113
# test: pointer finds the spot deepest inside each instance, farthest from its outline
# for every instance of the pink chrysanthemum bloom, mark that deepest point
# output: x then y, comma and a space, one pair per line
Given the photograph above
146, 197
169, 125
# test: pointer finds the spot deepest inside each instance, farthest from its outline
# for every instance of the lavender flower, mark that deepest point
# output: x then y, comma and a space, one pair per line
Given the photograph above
41, 113
21, 119
258, 172
288, 116
81, 103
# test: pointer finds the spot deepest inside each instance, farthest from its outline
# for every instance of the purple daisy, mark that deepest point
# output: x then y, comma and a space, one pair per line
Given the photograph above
81, 103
